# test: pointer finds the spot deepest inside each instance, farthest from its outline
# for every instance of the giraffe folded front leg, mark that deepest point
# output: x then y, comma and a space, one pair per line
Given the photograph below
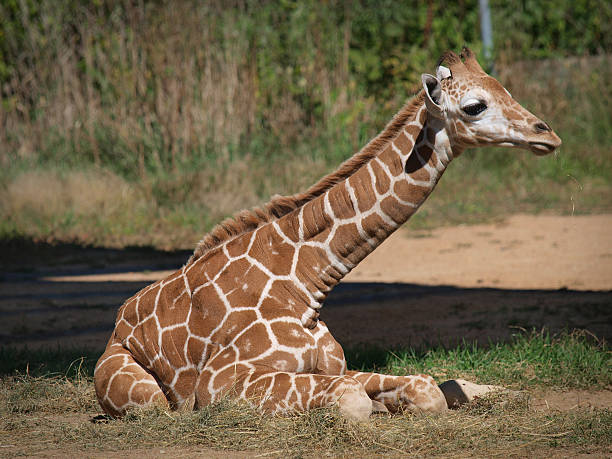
282, 392
400, 393
122, 383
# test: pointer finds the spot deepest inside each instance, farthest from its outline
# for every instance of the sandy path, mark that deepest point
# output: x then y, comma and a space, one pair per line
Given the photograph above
523, 252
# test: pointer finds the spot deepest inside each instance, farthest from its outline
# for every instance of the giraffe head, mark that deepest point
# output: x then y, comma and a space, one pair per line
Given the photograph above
477, 110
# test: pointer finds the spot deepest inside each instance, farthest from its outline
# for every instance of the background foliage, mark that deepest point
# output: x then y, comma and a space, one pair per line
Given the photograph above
177, 112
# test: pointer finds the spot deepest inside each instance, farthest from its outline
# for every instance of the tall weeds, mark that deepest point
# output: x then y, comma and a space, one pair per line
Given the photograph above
187, 111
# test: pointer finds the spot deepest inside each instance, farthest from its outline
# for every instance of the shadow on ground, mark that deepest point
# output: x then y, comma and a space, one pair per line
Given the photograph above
40, 313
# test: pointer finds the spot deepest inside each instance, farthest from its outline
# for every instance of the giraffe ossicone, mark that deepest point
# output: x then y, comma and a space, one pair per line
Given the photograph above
241, 318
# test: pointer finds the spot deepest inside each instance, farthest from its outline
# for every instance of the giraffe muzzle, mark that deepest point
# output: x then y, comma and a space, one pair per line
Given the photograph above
542, 148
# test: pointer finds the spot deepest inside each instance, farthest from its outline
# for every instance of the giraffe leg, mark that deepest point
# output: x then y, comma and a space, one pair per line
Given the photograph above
397, 393
388, 393
121, 382
280, 392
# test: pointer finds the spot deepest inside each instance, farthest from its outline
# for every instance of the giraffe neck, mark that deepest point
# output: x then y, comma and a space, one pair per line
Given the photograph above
337, 230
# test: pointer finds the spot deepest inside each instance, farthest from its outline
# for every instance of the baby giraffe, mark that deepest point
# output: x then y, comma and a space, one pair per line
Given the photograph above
241, 318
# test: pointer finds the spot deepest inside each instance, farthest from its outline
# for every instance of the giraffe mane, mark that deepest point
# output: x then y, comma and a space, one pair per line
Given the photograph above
250, 219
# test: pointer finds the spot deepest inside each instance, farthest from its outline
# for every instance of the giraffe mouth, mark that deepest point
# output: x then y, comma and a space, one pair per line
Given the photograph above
541, 148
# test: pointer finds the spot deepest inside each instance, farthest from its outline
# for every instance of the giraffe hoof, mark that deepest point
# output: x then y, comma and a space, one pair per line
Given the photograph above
355, 404
459, 391
378, 407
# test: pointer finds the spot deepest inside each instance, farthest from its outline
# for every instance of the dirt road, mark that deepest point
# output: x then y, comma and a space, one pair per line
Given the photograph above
468, 282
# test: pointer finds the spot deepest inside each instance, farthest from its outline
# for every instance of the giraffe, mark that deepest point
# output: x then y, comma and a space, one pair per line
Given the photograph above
241, 317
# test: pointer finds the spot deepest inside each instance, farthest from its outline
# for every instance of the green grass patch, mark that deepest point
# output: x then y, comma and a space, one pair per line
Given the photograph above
567, 360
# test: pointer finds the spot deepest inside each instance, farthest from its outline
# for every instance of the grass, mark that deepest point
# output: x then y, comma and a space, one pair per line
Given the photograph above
490, 426
567, 360
44, 411
62, 196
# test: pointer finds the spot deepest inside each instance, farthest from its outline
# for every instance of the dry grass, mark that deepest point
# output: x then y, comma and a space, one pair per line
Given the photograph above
97, 206
39, 415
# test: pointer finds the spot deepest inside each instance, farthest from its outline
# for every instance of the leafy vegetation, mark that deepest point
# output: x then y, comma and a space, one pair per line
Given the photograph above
148, 122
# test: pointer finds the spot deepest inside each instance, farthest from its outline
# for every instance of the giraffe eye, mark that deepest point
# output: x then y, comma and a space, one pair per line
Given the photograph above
475, 108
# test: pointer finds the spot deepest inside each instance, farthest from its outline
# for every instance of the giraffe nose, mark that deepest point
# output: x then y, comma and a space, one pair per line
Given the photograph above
540, 127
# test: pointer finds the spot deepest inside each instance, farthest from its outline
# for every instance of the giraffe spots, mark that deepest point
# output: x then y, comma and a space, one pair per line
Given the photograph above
271, 308
259, 387
289, 226
129, 312
144, 392
304, 390
398, 212
313, 262
284, 300
392, 160
292, 334
270, 250
340, 202
147, 302
234, 324
137, 349
242, 283
238, 245
431, 136
282, 361
410, 132
409, 192
281, 384
426, 152
185, 382
122, 329
422, 116
148, 335
293, 398
382, 180
362, 184
346, 243
120, 387
172, 311
317, 222
197, 351
405, 143
414, 167
225, 357
173, 342
375, 227
207, 313
164, 373
248, 289
205, 268
227, 377
330, 359
253, 342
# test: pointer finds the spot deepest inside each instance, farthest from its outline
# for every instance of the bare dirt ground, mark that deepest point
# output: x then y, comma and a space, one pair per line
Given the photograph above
470, 282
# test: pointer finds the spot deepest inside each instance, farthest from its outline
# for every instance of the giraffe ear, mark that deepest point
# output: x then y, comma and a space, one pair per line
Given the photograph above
433, 94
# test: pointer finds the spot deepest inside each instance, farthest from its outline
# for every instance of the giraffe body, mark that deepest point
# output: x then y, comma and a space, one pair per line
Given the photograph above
241, 318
